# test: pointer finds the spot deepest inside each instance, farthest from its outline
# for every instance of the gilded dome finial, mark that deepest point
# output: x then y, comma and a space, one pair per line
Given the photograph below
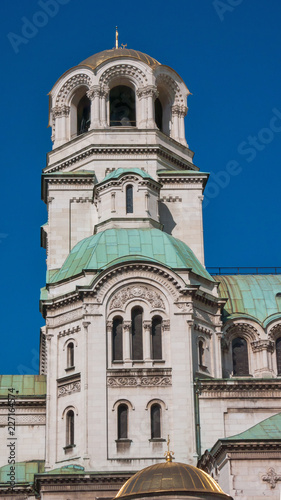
116, 38
169, 454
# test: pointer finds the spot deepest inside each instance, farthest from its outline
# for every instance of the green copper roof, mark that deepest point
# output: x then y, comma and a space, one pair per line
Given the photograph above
26, 385
24, 471
114, 246
115, 174
253, 296
270, 428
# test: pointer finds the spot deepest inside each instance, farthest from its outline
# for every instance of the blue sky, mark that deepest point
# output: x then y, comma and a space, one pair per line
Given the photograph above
227, 52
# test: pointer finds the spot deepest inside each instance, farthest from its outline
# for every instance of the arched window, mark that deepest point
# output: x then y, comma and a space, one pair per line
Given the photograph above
158, 114
122, 421
70, 355
83, 115
156, 333
201, 353
117, 339
69, 428
278, 355
240, 357
155, 419
137, 350
129, 200
122, 107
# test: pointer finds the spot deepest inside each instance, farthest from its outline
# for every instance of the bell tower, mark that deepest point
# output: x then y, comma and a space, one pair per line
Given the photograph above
131, 313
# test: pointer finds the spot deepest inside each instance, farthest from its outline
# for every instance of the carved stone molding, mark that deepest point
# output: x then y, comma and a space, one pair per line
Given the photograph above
25, 419
275, 331
69, 331
235, 388
242, 328
149, 91
66, 389
172, 86
261, 345
94, 91
136, 292
166, 325
123, 70
143, 381
81, 199
74, 81
67, 317
179, 110
203, 329
61, 110
185, 307
271, 477
170, 199
146, 325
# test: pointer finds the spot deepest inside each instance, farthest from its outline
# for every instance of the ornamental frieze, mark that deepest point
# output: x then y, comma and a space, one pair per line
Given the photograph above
136, 292
65, 390
141, 381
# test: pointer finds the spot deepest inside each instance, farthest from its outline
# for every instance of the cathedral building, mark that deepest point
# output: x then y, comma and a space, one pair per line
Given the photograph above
140, 340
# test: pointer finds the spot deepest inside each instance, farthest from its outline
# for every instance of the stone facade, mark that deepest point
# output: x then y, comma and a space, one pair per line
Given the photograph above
138, 341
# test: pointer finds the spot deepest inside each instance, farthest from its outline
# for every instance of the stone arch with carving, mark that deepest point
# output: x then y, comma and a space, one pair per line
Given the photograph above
68, 88
171, 87
275, 332
128, 293
154, 275
241, 329
123, 72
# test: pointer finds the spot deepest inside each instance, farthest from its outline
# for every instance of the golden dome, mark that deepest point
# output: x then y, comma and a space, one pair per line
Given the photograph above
171, 477
106, 55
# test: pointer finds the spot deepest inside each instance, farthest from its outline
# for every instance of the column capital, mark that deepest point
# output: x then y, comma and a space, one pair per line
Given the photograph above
62, 110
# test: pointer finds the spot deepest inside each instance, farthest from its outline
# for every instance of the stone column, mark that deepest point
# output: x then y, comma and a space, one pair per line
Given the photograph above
147, 96
175, 123
147, 340
94, 95
142, 119
103, 101
60, 128
127, 342
151, 95
181, 115
263, 350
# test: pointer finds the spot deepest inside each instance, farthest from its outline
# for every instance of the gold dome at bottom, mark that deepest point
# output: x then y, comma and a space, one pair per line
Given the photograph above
171, 477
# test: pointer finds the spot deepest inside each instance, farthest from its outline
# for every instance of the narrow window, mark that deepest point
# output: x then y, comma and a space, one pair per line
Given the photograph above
70, 355
129, 199
122, 421
278, 355
137, 352
240, 357
122, 107
156, 333
158, 114
155, 414
83, 115
201, 352
117, 339
70, 428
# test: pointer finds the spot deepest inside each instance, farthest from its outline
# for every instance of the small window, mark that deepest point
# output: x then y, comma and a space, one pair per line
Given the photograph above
129, 200
240, 357
278, 355
155, 414
70, 355
122, 107
156, 333
137, 349
117, 339
70, 428
122, 421
201, 352
83, 115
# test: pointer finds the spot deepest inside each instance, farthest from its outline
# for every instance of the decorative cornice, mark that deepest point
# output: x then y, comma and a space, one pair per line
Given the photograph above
235, 388
144, 150
169, 199
202, 329
69, 331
